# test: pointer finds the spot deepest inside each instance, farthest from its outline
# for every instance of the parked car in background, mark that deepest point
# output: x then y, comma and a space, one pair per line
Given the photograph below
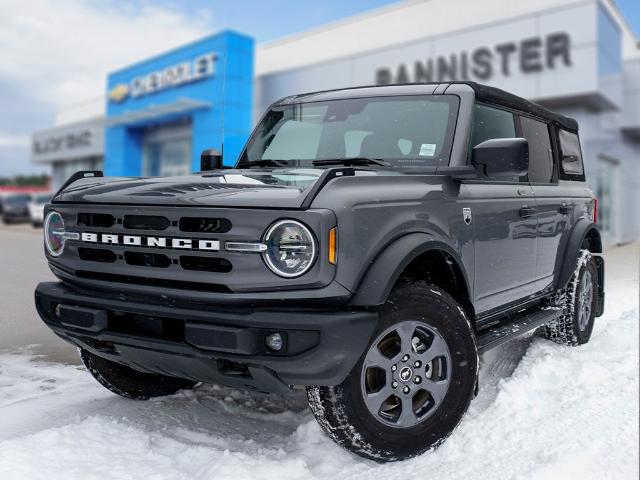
15, 207
36, 208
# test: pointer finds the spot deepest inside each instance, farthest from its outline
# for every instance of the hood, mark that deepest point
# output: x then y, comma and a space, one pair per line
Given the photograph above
275, 188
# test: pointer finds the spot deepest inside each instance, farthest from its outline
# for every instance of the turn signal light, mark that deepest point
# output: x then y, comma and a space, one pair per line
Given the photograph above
333, 246
595, 210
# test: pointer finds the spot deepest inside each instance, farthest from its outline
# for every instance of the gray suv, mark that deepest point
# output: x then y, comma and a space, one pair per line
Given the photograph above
368, 245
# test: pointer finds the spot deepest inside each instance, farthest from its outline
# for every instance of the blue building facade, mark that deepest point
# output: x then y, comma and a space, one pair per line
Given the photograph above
163, 111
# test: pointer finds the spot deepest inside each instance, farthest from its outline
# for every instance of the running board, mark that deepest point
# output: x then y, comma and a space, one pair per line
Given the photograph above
500, 334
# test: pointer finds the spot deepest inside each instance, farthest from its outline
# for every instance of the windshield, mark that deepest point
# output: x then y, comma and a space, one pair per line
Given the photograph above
401, 130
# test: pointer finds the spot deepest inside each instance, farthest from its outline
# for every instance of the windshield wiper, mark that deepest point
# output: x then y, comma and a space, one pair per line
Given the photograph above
352, 161
267, 163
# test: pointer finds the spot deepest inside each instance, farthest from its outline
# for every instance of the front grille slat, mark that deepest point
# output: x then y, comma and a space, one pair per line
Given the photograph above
205, 264
204, 225
146, 222
97, 255
144, 259
153, 282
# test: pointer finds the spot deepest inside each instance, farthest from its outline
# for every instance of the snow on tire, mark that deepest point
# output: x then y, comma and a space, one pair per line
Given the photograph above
411, 386
576, 304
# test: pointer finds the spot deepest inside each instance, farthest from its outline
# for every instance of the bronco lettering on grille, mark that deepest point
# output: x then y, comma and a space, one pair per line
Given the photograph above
148, 241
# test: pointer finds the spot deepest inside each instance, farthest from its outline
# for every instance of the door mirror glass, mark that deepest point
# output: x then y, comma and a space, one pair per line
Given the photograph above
210, 159
502, 157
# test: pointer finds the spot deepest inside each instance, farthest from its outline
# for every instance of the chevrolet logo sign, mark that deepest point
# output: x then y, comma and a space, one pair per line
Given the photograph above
119, 93
148, 241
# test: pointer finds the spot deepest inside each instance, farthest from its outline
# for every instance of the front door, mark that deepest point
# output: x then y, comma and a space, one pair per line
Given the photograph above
504, 222
504, 231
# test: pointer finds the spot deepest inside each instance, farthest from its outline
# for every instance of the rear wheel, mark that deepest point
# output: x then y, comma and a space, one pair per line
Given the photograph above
576, 304
130, 383
412, 385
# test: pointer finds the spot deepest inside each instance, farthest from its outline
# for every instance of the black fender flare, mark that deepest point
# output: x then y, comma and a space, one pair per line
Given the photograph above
383, 272
566, 263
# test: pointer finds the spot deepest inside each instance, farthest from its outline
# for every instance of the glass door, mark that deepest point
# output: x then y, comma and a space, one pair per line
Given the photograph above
167, 151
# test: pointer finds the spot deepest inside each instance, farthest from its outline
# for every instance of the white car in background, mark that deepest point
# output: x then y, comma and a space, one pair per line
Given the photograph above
36, 208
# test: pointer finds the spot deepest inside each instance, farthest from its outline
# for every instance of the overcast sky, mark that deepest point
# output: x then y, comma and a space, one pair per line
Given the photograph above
57, 53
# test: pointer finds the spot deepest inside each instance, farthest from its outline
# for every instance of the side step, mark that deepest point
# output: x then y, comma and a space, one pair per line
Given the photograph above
493, 337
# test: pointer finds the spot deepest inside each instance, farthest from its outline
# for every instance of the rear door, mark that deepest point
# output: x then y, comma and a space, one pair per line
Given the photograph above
504, 223
553, 208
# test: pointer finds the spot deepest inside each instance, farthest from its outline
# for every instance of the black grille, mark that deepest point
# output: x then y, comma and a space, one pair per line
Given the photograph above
97, 255
144, 259
102, 220
146, 222
204, 225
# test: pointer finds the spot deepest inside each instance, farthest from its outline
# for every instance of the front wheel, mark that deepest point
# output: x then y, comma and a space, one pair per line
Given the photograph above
130, 383
412, 385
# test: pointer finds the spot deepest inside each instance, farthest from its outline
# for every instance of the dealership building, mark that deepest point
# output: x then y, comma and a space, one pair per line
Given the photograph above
578, 57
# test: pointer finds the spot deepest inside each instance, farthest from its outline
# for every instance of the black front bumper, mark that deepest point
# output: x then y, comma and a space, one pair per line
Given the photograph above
211, 345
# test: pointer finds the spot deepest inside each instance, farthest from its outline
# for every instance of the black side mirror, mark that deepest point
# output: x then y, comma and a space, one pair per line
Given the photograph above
210, 159
502, 157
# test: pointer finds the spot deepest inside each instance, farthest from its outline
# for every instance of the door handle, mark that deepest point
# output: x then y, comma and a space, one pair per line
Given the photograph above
523, 192
564, 208
526, 212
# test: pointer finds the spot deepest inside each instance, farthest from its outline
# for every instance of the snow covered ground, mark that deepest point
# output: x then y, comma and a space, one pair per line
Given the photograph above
544, 412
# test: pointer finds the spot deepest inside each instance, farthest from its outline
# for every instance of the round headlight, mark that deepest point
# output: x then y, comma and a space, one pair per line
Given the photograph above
291, 249
53, 233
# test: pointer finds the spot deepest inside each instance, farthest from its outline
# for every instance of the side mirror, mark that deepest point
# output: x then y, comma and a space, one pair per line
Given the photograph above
502, 157
210, 159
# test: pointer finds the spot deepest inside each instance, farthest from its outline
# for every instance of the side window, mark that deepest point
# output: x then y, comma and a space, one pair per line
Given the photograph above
491, 123
488, 123
570, 155
540, 153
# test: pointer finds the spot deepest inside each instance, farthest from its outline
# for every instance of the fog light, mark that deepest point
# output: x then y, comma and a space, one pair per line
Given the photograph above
274, 341
57, 311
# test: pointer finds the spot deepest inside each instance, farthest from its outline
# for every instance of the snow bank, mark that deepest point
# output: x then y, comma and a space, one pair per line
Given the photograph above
544, 412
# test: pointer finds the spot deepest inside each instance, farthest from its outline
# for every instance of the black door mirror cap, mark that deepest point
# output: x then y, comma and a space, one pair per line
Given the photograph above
210, 159
502, 157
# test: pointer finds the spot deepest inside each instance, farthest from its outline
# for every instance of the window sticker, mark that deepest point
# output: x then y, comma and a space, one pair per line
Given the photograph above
427, 150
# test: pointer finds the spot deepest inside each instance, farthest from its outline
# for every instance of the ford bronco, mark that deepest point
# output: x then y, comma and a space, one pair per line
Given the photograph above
368, 245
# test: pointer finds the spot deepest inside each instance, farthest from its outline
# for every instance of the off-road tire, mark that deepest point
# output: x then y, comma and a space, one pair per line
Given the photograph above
130, 383
566, 330
342, 412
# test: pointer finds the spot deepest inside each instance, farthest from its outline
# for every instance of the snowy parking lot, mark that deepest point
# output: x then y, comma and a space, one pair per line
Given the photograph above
543, 412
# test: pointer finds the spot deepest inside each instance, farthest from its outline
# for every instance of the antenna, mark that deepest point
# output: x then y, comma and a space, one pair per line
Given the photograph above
224, 85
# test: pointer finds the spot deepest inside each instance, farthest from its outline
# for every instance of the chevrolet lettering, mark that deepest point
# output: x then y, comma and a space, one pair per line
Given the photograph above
369, 244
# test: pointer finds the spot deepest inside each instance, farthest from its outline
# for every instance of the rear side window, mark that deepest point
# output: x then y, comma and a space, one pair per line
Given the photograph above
540, 153
570, 156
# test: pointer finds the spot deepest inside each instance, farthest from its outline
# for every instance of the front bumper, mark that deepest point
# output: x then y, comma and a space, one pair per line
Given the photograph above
213, 345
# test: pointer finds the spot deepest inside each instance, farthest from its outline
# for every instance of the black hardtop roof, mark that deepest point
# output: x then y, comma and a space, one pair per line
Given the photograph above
483, 93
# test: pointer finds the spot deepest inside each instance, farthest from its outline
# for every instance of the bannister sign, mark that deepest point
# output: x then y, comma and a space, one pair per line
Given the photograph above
201, 67
531, 55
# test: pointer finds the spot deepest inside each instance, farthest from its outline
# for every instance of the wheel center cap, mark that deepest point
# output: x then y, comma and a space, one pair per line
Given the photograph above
405, 374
